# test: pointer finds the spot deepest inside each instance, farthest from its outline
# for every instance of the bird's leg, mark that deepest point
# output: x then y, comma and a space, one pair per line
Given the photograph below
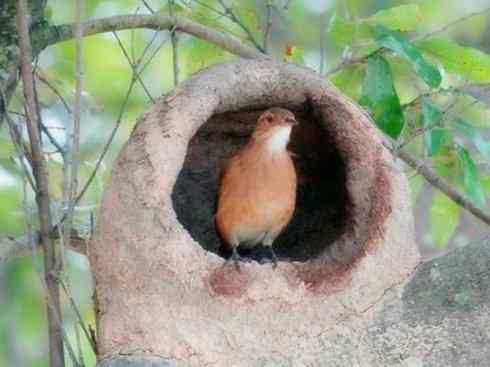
236, 258
273, 257
268, 243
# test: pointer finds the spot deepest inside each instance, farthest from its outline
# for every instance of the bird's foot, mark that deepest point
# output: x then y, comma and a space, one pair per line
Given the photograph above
236, 259
274, 258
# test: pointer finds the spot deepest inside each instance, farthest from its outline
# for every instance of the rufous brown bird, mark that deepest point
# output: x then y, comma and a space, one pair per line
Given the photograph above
257, 192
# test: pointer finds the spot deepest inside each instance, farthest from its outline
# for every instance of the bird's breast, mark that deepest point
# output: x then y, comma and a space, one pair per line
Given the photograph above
258, 193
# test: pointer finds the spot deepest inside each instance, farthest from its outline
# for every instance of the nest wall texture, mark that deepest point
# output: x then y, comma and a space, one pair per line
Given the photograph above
160, 285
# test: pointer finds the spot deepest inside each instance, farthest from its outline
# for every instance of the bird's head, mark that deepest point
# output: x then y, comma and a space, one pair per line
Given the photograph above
274, 128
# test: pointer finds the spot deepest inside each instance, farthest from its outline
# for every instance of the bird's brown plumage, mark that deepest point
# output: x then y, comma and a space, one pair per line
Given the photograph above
258, 186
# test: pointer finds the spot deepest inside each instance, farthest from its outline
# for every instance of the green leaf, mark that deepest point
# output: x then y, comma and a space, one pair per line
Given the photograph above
444, 218
406, 50
341, 31
470, 63
434, 136
471, 178
398, 18
474, 135
349, 80
379, 94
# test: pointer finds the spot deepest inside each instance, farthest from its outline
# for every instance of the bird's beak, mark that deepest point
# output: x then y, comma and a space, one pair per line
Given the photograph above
293, 122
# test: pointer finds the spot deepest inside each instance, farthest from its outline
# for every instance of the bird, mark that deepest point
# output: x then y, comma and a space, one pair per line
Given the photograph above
257, 190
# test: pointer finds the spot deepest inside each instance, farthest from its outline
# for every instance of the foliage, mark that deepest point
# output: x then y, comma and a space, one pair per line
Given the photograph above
431, 123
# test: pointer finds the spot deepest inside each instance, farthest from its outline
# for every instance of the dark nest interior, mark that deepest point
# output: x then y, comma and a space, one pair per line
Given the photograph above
322, 207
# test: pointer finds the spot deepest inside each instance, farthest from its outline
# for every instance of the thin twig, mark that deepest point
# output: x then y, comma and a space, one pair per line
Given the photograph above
173, 39
231, 14
131, 42
136, 74
206, 6
21, 246
133, 66
44, 129
347, 62
72, 160
268, 26
323, 24
430, 176
20, 146
219, 13
52, 140
151, 57
48, 84
72, 145
51, 273
147, 6
109, 141
451, 24
78, 315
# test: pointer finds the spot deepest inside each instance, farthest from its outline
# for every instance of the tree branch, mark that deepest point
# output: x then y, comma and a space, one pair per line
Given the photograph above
229, 13
21, 246
229, 43
451, 24
51, 271
430, 176
268, 26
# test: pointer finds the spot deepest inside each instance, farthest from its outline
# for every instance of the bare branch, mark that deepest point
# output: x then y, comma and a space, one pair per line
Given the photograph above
20, 246
147, 6
55, 90
79, 315
451, 24
22, 150
268, 26
421, 167
21, 147
108, 143
134, 67
175, 55
159, 22
346, 62
44, 129
231, 14
72, 145
42, 195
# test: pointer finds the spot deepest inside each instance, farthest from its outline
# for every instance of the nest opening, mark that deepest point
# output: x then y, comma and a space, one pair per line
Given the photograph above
322, 205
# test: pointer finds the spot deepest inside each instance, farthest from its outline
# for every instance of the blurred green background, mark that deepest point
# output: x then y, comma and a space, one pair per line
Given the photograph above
301, 24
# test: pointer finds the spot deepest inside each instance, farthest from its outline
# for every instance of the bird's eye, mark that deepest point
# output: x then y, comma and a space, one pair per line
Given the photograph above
269, 119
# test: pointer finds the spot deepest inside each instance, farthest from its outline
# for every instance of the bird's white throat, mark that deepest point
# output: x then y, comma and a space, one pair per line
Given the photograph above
279, 140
